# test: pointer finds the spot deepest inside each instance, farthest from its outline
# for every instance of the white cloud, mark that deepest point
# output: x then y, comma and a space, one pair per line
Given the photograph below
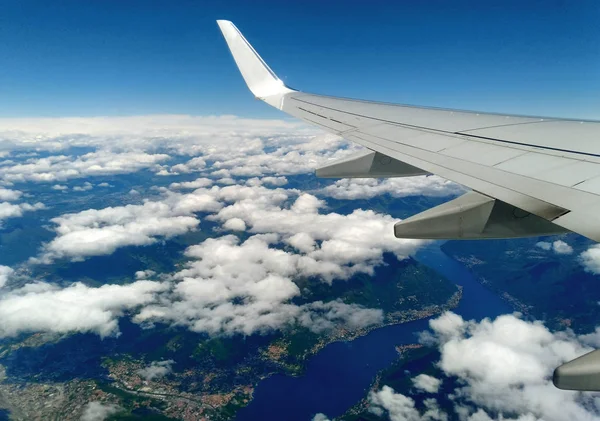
558, 246
590, 259
226, 181
427, 383
156, 369
85, 187
402, 408
274, 181
144, 274
502, 370
5, 274
60, 167
235, 224
7, 195
193, 165
100, 232
246, 288
188, 135
10, 210
331, 245
544, 245
506, 366
42, 307
367, 188
60, 187
99, 411
196, 184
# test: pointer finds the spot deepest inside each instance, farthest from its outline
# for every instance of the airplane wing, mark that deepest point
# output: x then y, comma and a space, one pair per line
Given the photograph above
528, 175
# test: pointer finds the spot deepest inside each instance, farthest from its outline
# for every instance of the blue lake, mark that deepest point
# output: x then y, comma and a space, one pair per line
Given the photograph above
340, 374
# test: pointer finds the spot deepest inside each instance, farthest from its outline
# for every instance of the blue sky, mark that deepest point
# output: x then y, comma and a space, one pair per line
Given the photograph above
129, 57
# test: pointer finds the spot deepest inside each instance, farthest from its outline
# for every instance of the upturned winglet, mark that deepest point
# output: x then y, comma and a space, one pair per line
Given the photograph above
261, 80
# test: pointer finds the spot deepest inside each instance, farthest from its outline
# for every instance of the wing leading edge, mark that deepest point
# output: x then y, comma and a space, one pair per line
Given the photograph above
529, 175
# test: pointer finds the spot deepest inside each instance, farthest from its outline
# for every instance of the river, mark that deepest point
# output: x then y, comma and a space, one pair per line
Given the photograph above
340, 374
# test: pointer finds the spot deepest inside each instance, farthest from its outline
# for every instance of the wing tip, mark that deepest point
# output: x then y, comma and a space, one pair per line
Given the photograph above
259, 77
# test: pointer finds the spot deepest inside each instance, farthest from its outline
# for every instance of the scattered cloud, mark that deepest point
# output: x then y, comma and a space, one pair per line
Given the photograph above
43, 307
11, 210
427, 383
235, 224
590, 259
246, 288
367, 188
330, 245
100, 232
544, 245
62, 167
156, 370
402, 408
99, 411
274, 181
7, 195
84, 187
196, 184
5, 273
558, 246
501, 370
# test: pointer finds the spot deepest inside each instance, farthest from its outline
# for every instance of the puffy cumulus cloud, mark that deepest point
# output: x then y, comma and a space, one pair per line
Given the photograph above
193, 165
274, 181
501, 370
196, 184
278, 156
144, 274
558, 246
590, 259
7, 195
5, 273
427, 383
12, 210
367, 188
402, 408
84, 187
60, 187
42, 307
505, 366
235, 224
388, 404
329, 245
61, 167
99, 411
544, 245
99, 232
246, 288
156, 369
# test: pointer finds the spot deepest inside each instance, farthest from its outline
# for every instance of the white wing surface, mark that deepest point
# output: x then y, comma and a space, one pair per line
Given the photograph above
529, 175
